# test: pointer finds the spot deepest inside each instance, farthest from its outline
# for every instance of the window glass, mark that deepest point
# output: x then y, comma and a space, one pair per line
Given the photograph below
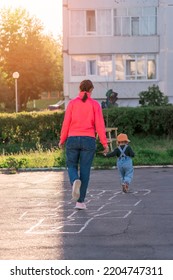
78, 66
91, 66
117, 26
120, 12
130, 69
141, 67
135, 67
90, 21
77, 26
151, 68
152, 26
119, 68
105, 65
135, 26
104, 23
126, 26
144, 26
135, 11
149, 11
138, 21
126, 66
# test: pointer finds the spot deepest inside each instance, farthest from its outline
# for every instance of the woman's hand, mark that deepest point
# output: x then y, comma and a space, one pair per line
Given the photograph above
106, 150
61, 146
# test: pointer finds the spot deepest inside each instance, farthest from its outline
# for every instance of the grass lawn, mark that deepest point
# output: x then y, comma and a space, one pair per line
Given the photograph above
148, 151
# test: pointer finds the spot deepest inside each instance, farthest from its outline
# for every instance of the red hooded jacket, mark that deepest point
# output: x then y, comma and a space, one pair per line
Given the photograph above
83, 119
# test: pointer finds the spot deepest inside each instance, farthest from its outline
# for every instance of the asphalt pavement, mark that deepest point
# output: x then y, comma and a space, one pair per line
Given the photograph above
38, 220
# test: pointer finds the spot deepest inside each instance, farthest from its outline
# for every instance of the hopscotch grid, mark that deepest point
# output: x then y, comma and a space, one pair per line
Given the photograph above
66, 223
71, 220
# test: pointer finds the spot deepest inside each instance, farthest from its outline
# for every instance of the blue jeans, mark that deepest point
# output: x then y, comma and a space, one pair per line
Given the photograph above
125, 169
80, 152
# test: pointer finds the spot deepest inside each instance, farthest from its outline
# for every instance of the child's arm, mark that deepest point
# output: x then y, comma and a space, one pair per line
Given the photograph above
131, 152
111, 154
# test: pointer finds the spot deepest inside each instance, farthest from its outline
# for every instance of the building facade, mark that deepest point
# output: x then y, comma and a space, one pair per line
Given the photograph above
123, 45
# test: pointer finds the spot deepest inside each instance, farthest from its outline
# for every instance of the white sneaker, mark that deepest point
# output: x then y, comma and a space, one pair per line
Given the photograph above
76, 189
80, 205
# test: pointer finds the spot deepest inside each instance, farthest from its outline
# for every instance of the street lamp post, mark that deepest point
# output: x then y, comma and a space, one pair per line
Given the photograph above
16, 76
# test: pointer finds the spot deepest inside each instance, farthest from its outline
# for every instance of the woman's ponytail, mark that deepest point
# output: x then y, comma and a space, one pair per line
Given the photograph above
85, 97
86, 86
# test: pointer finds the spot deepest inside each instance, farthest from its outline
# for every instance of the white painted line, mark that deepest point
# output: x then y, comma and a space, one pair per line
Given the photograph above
85, 225
102, 192
102, 214
137, 202
115, 194
36, 225
129, 212
71, 215
70, 220
147, 191
100, 208
20, 218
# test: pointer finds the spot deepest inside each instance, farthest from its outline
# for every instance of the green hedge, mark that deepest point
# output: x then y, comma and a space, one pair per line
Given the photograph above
37, 130
30, 130
141, 120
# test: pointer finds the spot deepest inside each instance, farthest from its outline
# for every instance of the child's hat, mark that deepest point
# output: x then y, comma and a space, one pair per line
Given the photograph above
122, 138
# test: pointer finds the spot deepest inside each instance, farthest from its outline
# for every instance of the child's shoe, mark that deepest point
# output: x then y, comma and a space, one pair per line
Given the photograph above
125, 187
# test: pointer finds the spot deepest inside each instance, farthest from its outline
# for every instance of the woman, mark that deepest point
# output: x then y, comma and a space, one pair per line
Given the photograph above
83, 119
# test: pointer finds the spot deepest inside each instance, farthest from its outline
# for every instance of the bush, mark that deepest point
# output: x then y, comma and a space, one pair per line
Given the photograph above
29, 130
40, 131
152, 97
141, 120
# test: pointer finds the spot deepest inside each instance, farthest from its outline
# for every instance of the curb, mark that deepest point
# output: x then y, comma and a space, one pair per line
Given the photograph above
45, 169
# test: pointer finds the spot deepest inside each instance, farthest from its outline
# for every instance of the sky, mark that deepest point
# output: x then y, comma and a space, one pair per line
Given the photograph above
48, 11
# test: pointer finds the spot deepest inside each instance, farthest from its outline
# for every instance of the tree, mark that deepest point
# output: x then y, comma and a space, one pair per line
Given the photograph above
152, 97
25, 49
6, 94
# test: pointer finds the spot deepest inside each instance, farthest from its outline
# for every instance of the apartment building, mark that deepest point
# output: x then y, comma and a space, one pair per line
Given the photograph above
124, 45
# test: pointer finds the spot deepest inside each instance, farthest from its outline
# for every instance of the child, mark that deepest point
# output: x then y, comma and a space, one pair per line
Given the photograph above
124, 153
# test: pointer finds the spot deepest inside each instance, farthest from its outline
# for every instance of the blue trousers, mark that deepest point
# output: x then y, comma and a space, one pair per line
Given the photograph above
125, 169
80, 152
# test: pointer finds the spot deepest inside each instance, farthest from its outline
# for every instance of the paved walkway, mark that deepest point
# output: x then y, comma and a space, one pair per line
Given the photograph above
38, 219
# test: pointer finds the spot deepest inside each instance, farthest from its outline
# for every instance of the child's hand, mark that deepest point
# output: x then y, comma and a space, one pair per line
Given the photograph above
105, 151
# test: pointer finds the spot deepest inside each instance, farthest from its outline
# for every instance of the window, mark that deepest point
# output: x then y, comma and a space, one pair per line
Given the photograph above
135, 67
105, 65
151, 67
104, 22
130, 68
91, 67
90, 22
100, 66
78, 66
119, 67
135, 21
135, 26
77, 26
